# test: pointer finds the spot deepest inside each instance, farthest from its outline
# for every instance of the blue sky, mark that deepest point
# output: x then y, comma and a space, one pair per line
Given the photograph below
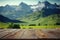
16, 2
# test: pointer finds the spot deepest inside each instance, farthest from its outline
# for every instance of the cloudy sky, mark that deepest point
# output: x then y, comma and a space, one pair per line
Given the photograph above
16, 2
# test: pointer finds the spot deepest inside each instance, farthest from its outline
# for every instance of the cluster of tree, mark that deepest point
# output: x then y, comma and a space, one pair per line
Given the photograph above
14, 26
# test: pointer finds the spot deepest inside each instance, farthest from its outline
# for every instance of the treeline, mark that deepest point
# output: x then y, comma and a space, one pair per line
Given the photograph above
17, 26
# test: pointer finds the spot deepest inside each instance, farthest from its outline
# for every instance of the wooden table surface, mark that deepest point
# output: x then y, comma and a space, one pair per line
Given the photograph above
29, 33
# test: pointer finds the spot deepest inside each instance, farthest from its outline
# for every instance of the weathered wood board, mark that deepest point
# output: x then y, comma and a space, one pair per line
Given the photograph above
29, 33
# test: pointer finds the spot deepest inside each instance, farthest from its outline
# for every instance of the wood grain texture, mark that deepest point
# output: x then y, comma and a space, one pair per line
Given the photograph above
29, 33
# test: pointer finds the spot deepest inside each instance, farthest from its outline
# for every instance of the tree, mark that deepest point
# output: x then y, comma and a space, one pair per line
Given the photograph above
14, 26
39, 24
32, 25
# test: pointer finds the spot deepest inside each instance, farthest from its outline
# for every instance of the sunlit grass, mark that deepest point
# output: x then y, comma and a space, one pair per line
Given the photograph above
39, 27
6, 25
31, 27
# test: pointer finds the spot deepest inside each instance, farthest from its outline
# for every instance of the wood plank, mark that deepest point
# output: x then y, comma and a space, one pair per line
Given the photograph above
14, 35
40, 34
29, 33
6, 32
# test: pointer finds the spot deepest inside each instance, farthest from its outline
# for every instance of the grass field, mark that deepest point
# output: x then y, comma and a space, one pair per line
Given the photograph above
6, 25
33, 27
39, 27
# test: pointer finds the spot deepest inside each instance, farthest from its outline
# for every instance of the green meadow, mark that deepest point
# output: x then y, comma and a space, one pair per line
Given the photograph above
32, 27
7, 25
34, 21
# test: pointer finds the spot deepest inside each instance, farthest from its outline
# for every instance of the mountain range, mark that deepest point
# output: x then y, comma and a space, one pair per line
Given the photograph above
15, 12
31, 13
23, 9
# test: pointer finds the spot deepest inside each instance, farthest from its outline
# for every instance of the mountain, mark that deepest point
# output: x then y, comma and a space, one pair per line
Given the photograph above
22, 10
8, 8
46, 4
5, 19
50, 9
8, 11
47, 14
25, 8
14, 12
37, 18
47, 8
1, 9
40, 5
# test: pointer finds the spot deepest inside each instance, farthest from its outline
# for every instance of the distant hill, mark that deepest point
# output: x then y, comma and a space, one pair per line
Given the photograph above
5, 20
38, 18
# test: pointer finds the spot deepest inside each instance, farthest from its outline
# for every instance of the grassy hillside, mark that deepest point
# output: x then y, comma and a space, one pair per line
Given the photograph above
35, 20
4, 25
